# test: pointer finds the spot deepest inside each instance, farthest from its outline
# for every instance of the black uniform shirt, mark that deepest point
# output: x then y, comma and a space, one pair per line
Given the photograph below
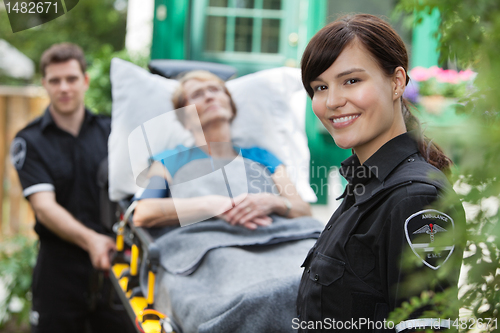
48, 158
355, 269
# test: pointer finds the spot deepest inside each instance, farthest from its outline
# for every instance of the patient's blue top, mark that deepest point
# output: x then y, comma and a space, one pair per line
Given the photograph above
174, 159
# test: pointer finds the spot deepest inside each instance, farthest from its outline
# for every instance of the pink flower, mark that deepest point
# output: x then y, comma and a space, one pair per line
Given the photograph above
451, 76
434, 71
419, 74
467, 75
448, 76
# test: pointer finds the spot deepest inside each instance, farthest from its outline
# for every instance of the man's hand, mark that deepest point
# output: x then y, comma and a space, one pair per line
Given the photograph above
99, 248
63, 224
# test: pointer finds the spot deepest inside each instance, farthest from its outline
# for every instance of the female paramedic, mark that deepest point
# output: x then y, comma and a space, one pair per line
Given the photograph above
355, 71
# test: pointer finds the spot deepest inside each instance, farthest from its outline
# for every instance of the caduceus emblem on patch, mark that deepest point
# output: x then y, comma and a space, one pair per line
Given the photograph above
423, 229
430, 229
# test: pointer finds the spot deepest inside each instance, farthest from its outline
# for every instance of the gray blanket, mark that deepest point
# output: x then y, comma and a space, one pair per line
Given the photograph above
221, 278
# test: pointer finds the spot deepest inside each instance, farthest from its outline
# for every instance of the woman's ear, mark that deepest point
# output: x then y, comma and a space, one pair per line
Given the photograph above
399, 82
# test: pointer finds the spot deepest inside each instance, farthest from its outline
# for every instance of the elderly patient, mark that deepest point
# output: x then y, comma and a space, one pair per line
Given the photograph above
216, 110
239, 270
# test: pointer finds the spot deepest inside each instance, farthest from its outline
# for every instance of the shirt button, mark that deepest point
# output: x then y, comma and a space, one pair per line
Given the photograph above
329, 227
316, 277
308, 270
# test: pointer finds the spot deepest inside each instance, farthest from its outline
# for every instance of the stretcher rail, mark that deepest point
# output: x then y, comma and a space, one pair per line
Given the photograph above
135, 244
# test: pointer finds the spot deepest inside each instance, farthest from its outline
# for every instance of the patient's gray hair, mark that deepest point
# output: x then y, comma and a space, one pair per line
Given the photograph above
179, 99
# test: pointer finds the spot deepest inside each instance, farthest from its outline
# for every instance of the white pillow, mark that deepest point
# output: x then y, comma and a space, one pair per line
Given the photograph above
271, 115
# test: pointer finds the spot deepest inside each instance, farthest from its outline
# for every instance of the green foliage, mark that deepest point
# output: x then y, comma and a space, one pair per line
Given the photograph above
470, 35
97, 27
98, 97
433, 87
17, 259
91, 24
11, 81
440, 302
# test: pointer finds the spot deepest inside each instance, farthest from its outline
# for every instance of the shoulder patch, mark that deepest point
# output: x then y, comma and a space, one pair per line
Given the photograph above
18, 152
430, 234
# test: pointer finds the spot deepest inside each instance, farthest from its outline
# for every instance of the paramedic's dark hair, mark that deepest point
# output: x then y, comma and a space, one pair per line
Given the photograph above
63, 52
179, 96
385, 46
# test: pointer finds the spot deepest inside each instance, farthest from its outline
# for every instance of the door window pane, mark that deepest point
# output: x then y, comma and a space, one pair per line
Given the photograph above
243, 34
215, 34
231, 29
244, 3
270, 36
272, 4
218, 3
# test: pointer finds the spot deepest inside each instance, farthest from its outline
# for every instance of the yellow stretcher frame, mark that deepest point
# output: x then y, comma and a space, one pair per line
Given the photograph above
124, 275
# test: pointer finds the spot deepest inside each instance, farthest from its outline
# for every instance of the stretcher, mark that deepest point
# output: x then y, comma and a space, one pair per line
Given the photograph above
135, 246
138, 257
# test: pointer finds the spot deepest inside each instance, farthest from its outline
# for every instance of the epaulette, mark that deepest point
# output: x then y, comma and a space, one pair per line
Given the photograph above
415, 172
33, 123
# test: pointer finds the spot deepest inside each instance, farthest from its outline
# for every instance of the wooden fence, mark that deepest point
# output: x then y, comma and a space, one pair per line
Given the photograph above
18, 106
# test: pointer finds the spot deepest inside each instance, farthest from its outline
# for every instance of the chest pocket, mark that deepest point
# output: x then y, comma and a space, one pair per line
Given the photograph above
325, 270
59, 160
62, 173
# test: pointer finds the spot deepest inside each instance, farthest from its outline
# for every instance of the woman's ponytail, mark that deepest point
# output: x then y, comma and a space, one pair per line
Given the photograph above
428, 149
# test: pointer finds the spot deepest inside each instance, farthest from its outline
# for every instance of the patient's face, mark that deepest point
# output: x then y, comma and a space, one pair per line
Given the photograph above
211, 101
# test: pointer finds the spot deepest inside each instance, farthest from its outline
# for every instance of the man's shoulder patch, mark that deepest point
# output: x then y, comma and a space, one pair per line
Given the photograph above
430, 234
18, 152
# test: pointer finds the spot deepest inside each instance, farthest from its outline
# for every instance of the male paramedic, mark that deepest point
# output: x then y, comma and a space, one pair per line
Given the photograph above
57, 157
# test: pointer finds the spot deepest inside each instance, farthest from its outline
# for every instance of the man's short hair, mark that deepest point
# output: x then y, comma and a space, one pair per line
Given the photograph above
63, 52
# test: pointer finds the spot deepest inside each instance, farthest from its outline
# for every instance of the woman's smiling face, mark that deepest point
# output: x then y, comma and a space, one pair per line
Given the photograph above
357, 103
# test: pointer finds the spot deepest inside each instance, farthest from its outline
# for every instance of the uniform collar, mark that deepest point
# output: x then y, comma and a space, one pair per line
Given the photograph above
348, 166
47, 119
391, 154
379, 165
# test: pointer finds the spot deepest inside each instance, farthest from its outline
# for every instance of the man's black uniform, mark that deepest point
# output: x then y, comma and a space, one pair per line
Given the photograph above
48, 158
354, 273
